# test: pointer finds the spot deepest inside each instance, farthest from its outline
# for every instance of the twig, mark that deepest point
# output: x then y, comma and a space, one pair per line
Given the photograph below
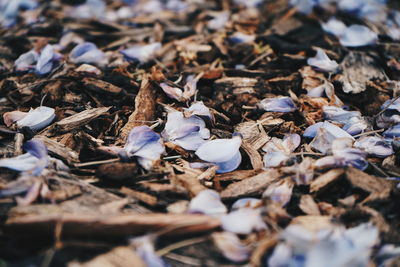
181, 244
370, 132
184, 259
91, 163
383, 110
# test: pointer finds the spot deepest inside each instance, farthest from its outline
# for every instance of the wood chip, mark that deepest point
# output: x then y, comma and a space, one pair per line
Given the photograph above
325, 180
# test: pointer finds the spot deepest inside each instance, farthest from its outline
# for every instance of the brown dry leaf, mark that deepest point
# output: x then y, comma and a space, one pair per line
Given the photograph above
145, 105
117, 257
250, 186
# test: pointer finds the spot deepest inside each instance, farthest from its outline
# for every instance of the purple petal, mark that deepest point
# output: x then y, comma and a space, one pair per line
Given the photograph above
229, 165
291, 142
45, 62
26, 61
339, 114
280, 192
322, 62
392, 132
311, 131
172, 92
139, 137
36, 148
374, 146
278, 104
86, 53
326, 134
355, 125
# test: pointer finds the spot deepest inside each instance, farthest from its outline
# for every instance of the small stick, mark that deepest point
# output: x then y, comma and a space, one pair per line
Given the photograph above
91, 163
370, 132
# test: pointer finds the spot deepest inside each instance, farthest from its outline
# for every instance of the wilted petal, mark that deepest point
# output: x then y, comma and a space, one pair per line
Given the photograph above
280, 192
207, 202
334, 26
230, 165
281, 256
358, 35
86, 53
275, 159
13, 116
231, 246
326, 134
24, 162
172, 92
190, 88
199, 109
152, 150
278, 104
26, 61
355, 125
219, 150
37, 118
311, 131
243, 221
374, 146
141, 53
291, 142
322, 62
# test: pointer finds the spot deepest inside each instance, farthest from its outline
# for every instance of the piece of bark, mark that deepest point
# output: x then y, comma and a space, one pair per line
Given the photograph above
308, 205
117, 171
236, 85
117, 257
59, 150
250, 186
112, 226
77, 120
19, 139
141, 196
255, 157
358, 69
377, 187
236, 175
100, 86
145, 106
325, 180
313, 223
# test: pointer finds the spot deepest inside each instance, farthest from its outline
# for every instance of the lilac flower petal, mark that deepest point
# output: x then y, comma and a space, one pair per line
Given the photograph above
229, 165
144, 247
280, 192
291, 142
339, 114
151, 151
278, 104
322, 62
374, 146
334, 26
207, 202
86, 53
199, 109
36, 148
311, 131
243, 221
172, 92
191, 142
139, 137
37, 118
26, 61
240, 38
11, 117
358, 35
141, 53
219, 21
355, 125
392, 132
219, 150
24, 162
45, 61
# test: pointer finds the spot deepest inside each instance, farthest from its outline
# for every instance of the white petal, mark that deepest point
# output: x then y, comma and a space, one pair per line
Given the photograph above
243, 221
229, 165
207, 202
219, 150
322, 62
37, 118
